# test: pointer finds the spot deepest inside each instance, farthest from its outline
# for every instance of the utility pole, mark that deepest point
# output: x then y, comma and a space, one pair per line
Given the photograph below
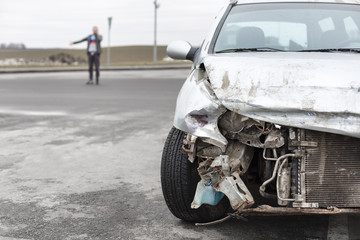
108, 52
157, 5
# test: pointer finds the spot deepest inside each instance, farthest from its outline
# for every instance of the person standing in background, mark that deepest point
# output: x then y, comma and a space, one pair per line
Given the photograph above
93, 52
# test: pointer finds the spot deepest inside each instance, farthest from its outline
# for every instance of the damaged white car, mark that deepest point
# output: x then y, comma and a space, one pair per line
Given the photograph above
268, 121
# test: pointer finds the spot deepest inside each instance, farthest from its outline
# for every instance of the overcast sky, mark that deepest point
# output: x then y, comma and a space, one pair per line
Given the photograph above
50, 23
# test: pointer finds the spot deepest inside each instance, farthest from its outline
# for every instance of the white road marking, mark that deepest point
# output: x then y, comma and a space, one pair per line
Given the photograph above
338, 227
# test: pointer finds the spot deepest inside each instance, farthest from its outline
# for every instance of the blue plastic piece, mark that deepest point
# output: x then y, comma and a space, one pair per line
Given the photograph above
206, 194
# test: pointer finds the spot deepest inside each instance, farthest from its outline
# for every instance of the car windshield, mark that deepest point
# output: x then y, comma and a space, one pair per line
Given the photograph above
290, 27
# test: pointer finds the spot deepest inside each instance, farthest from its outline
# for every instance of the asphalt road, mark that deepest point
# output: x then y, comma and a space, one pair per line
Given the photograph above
83, 162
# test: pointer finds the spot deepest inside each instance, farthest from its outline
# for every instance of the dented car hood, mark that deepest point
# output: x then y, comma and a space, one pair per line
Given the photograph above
317, 91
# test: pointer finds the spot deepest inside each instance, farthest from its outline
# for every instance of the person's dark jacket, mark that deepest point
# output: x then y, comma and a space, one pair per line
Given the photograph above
99, 38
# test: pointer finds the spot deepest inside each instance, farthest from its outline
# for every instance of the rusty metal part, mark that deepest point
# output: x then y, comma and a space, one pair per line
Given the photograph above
222, 162
189, 147
227, 218
266, 210
233, 122
205, 172
219, 173
248, 131
274, 139
240, 156
283, 184
236, 191
209, 151
251, 137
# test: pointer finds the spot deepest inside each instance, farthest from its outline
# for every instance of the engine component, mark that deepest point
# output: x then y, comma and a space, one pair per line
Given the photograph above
274, 140
249, 131
240, 155
275, 172
332, 170
283, 184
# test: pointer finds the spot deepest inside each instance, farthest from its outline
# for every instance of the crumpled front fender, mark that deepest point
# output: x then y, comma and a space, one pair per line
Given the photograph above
198, 110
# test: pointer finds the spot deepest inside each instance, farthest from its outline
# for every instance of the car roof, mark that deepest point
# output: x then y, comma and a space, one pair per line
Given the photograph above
296, 1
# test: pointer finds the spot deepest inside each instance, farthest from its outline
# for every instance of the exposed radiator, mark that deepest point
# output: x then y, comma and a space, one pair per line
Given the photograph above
332, 175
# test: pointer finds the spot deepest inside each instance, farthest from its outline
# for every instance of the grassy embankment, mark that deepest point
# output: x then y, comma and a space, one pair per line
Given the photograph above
120, 56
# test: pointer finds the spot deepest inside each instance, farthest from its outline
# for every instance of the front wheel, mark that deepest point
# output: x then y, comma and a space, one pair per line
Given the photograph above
179, 178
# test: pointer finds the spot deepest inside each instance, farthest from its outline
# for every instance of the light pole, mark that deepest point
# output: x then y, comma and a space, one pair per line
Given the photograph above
108, 53
157, 5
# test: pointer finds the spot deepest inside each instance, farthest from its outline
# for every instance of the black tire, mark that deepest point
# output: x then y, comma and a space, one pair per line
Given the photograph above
179, 178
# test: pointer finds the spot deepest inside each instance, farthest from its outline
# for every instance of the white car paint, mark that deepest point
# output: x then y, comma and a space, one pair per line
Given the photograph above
318, 91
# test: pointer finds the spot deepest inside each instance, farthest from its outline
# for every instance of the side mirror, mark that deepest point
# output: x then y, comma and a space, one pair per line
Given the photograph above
181, 50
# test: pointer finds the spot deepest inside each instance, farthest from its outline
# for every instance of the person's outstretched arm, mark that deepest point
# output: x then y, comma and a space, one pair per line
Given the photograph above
80, 41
